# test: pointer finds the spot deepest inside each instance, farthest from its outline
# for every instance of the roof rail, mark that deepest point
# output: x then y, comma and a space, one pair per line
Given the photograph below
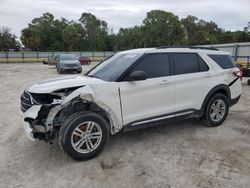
190, 47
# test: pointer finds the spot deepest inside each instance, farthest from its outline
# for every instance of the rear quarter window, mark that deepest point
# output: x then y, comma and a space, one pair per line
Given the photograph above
224, 61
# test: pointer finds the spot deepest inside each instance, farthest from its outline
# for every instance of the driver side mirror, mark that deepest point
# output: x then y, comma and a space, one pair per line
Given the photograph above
137, 76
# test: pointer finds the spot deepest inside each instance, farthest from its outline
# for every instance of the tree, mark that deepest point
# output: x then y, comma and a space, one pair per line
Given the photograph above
8, 40
227, 37
131, 38
201, 31
44, 33
190, 25
247, 28
71, 35
96, 31
31, 37
163, 28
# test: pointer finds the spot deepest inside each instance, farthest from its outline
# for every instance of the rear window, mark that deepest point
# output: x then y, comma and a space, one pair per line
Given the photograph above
224, 61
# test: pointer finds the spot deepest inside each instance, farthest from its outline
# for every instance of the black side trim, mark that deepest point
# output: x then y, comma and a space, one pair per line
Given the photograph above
233, 81
130, 126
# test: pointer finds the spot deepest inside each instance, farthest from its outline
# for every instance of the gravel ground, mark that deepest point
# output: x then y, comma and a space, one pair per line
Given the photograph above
183, 154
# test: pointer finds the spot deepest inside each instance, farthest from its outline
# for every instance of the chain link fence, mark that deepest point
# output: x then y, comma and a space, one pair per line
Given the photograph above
14, 57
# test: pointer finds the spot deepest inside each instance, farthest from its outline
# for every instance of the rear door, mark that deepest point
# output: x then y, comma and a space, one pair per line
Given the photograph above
150, 98
193, 80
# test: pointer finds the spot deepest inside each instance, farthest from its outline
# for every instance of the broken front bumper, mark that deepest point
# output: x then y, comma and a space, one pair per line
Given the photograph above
30, 114
39, 121
28, 131
33, 129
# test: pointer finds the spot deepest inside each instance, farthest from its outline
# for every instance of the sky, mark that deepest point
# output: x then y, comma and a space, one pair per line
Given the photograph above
228, 14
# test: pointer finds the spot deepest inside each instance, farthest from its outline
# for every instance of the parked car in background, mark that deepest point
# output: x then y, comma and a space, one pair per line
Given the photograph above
53, 60
48, 61
84, 60
67, 62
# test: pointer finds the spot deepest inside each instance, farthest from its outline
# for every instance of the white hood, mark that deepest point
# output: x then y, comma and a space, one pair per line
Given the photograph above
51, 85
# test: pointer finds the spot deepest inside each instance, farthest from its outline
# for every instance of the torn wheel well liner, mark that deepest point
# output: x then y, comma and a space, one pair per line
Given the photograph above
76, 105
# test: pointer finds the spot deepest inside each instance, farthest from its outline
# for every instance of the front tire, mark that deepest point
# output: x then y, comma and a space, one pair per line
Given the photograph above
83, 135
216, 110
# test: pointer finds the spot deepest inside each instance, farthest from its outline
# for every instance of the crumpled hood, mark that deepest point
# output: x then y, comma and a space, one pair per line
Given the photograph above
48, 86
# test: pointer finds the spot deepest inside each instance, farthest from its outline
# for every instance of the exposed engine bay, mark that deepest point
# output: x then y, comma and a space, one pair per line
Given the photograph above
49, 106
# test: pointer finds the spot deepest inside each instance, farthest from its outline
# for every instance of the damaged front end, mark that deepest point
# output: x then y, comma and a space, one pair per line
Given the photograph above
46, 105
40, 113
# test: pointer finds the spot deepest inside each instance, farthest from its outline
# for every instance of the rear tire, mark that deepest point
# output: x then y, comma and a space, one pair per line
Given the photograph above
83, 135
216, 110
248, 82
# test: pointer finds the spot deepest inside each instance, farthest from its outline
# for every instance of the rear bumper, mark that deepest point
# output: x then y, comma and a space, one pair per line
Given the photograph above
234, 101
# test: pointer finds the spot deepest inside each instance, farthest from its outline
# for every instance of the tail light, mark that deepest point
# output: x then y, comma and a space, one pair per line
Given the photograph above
237, 72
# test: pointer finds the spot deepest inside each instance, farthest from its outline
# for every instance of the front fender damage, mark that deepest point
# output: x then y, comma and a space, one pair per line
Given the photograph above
46, 126
88, 95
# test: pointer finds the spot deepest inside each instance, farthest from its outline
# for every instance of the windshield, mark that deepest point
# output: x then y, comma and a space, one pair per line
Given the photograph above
68, 57
112, 68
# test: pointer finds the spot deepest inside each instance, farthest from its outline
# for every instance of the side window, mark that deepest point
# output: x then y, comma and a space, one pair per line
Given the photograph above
185, 63
154, 65
203, 65
224, 61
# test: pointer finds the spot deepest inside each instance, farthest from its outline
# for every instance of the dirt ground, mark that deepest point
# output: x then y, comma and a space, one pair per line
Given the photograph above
181, 154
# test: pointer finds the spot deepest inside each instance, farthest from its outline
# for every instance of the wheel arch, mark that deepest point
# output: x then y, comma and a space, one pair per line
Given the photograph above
222, 88
78, 104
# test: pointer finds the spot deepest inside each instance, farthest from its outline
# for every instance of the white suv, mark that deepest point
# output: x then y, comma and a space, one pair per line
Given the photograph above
130, 90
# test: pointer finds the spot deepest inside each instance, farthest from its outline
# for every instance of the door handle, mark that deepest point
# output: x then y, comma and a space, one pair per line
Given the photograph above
164, 82
207, 75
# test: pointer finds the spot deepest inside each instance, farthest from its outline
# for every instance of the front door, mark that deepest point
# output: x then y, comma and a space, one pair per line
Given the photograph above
151, 98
